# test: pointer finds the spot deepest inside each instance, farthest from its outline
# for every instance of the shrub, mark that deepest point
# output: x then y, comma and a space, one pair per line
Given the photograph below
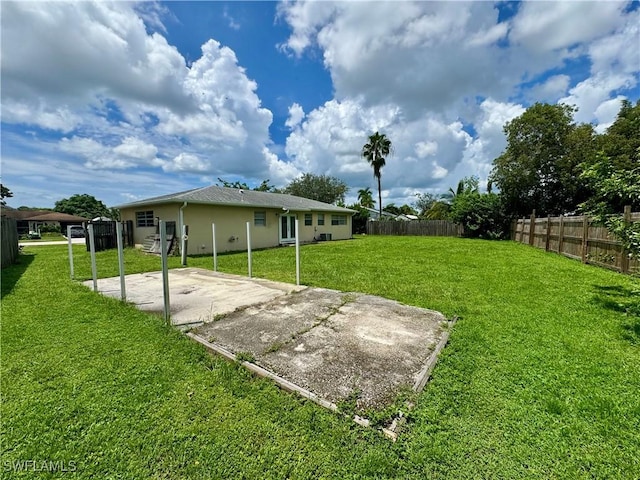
481, 214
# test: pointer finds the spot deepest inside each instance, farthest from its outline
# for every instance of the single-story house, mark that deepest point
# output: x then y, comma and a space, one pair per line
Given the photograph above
271, 217
32, 220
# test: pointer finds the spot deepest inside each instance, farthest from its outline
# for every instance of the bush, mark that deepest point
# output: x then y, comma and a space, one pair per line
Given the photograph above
49, 228
481, 214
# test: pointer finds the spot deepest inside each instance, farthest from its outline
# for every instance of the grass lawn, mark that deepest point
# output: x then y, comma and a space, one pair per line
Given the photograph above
45, 237
541, 377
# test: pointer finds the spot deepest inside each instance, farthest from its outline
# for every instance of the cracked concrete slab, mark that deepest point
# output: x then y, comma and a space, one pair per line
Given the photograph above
334, 343
330, 343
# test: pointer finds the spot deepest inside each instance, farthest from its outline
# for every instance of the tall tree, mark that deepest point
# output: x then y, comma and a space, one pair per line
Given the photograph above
265, 186
84, 205
375, 151
322, 188
4, 193
539, 167
365, 198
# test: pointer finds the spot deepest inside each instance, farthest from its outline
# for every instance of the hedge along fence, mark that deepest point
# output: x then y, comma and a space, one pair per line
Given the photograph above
430, 228
577, 237
9, 242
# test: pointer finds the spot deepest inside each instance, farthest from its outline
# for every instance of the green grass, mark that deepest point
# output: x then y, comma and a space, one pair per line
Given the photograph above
45, 237
541, 377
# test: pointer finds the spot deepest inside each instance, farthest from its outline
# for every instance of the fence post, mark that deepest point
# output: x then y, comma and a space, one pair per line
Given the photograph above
215, 250
561, 235
92, 250
165, 271
532, 227
546, 243
585, 236
249, 248
624, 260
297, 252
70, 250
123, 291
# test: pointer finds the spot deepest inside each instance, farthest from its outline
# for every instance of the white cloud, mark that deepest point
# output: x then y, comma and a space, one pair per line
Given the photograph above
135, 148
548, 26
296, 114
129, 91
186, 162
589, 94
607, 112
553, 88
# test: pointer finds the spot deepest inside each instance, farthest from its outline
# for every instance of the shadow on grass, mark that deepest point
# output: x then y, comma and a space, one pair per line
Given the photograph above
625, 301
12, 273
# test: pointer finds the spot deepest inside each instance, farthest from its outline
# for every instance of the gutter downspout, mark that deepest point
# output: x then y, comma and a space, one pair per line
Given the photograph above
183, 241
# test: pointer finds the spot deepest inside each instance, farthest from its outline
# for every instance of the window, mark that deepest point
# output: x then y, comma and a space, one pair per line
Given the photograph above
144, 219
321, 219
260, 219
308, 219
338, 219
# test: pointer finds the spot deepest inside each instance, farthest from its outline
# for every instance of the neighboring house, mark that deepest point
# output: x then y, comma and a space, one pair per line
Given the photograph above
374, 214
32, 220
271, 217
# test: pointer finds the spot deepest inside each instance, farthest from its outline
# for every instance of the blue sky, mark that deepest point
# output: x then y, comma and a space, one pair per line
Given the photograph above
131, 100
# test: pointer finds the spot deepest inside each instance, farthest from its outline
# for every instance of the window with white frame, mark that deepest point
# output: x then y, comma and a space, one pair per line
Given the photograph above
260, 218
144, 219
338, 219
308, 219
321, 219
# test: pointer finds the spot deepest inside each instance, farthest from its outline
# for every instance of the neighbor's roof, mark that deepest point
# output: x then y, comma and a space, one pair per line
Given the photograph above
215, 195
43, 216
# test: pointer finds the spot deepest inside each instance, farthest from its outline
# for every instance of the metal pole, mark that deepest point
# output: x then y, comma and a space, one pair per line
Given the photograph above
123, 291
249, 246
92, 249
183, 245
297, 253
165, 271
215, 252
70, 251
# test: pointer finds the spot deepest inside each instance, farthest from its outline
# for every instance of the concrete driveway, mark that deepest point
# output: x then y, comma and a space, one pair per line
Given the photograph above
330, 345
54, 242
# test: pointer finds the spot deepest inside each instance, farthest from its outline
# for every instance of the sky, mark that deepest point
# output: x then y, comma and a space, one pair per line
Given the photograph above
126, 101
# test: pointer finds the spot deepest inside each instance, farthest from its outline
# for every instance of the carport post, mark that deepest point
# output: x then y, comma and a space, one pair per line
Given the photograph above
92, 248
165, 269
215, 252
70, 250
123, 291
297, 253
249, 246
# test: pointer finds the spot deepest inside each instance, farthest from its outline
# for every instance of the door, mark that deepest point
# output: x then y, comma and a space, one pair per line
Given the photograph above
287, 228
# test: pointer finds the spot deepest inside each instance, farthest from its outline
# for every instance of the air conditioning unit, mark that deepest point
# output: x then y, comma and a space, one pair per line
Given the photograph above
325, 237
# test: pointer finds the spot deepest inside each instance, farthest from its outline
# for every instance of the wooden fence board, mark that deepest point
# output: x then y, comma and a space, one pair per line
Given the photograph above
577, 238
9, 241
432, 228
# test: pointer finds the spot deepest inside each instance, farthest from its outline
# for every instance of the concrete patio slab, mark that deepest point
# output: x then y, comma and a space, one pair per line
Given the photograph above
335, 344
330, 345
196, 295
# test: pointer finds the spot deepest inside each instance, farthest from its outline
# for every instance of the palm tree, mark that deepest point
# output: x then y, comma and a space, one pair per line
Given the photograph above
378, 147
365, 198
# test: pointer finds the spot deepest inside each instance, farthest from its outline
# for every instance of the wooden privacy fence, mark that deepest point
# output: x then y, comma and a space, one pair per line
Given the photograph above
430, 228
9, 243
578, 238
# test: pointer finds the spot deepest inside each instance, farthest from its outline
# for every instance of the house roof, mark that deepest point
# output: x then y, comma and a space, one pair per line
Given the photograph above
42, 216
215, 195
376, 212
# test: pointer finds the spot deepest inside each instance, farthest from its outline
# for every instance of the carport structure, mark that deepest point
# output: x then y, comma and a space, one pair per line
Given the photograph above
326, 345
